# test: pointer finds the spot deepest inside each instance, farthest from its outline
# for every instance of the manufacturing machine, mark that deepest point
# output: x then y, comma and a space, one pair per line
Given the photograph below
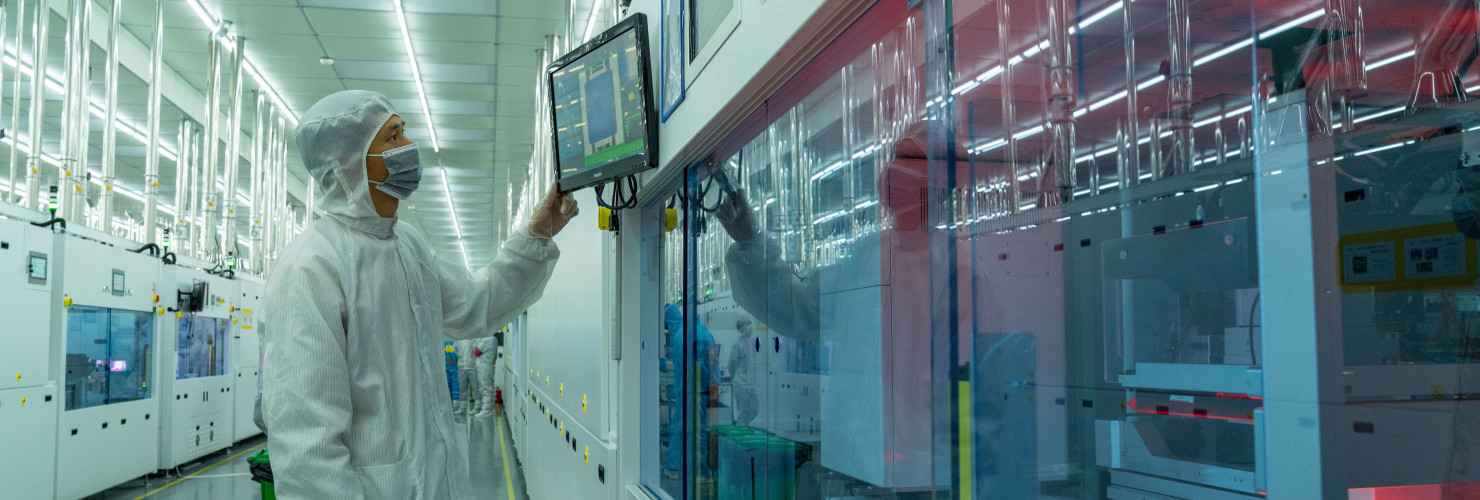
197, 383
109, 416
245, 352
28, 392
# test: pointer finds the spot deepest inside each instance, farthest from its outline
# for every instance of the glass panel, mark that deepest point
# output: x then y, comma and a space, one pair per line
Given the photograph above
810, 261
201, 351
107, 356
670, 361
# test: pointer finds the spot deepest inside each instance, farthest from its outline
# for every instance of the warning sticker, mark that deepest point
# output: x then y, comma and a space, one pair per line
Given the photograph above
1369, 262
1435, 256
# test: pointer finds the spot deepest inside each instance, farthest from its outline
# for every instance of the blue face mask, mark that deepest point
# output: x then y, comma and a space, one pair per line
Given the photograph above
404, 165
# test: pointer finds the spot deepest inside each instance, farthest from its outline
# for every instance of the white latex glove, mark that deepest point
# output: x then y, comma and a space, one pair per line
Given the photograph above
553, 213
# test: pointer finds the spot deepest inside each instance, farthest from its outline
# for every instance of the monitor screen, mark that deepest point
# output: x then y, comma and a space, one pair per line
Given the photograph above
604, 122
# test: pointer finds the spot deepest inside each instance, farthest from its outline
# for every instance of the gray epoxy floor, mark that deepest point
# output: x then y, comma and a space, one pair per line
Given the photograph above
224, 475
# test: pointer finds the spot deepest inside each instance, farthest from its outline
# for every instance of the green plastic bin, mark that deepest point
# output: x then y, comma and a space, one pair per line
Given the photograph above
758, 465
262, 473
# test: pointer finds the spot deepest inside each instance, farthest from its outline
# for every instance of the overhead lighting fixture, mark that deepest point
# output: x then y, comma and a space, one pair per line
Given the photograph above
590, 21
447, 190
421, 90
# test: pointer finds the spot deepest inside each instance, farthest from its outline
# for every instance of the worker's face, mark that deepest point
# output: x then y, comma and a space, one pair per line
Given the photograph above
391, 135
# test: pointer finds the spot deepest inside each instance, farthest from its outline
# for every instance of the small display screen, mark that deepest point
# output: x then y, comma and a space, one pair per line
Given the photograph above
605, 127
38, 268
117, 282
118, 365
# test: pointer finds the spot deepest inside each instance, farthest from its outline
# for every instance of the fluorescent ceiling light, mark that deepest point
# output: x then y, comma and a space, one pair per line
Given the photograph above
421, 89
446, 190
591, 21
1391, 60
1297, 22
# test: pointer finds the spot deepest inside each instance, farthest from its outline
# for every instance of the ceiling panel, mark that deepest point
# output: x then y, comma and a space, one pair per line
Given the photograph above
462, 91
372, 70
457, 52
353, 23
365, 49
453, 27
285, 45
534, 10
257, 20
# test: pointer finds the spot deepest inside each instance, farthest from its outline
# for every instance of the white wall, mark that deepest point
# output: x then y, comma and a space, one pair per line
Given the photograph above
566, 345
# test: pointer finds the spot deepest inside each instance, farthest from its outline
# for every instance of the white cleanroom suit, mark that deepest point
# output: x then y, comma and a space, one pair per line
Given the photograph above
488, 347
467, 375
355, 388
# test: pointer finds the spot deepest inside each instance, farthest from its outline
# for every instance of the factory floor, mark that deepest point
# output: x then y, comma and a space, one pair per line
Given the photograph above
224, 475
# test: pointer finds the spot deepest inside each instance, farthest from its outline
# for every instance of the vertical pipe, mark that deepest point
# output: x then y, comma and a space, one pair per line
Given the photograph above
206, 243
151, 155
67, 161
1132, 109
38, 105
1060, 88
182, 184
15, 103
1179, 86
1009, 108
110, 118
254, 189
233, 152
83, 108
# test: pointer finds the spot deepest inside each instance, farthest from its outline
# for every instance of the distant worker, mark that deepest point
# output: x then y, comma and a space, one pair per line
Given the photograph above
467, 378
741, 366
359, 306
703, 368
452, 373
485, 355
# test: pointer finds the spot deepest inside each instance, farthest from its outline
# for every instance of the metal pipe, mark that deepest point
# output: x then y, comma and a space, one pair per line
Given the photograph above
206, 242
38, 105
110, 119
1179, 87
182, 183
151, 155
233, 152
72, 57
15, 103
83, 110
1132, 108
1009, 108
254, 186
1060, 83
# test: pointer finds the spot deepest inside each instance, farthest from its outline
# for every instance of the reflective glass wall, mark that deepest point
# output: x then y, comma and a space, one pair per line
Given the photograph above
1095, 249
201, 348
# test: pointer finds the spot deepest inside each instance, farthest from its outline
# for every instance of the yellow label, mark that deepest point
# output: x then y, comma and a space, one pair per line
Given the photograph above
1437, 392
562, 388
233, 321
17, 376
23, 401
179, 315
246, 327
67, 302
583, 403
588, 455
161, 311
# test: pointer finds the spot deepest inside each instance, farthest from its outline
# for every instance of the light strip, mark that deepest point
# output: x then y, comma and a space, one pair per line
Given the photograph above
446, 190
1032, 51
591, 21
1391, 60
205, 18
421, 90
95, 108
1297, 22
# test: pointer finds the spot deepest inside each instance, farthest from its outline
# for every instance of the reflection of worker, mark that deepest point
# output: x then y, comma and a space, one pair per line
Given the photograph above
764, 285
742, 373
703, 367
358, 306
484, 350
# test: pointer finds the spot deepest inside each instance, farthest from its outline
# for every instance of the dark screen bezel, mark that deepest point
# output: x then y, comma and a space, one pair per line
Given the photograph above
646, 160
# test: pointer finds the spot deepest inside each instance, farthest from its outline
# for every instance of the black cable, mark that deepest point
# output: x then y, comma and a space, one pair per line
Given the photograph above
52, 222
1253, 357
153, 249
168, 258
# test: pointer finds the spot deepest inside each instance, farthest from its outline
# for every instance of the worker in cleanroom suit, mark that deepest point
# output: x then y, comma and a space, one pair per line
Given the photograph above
741, 366
485, 353
354, 388
467, 378
452, 371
